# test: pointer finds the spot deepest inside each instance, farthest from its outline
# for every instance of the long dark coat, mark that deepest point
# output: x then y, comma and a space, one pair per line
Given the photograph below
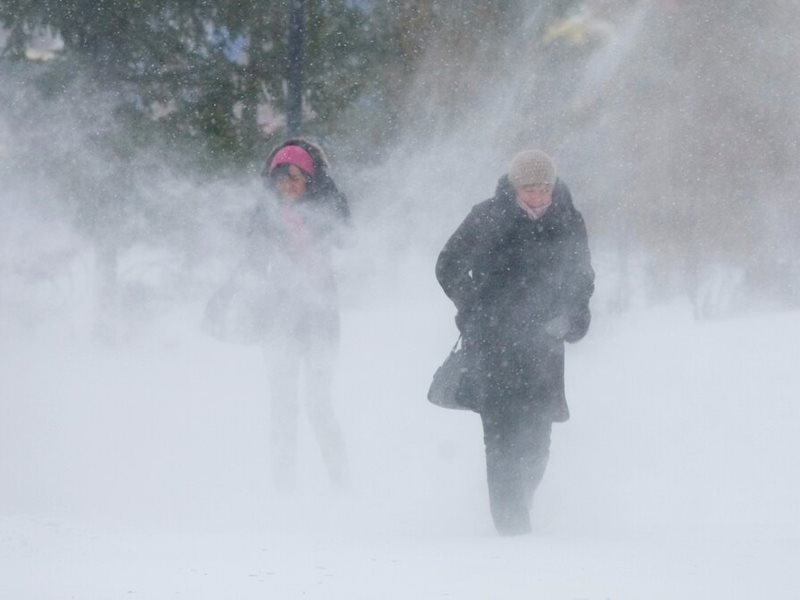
509, 275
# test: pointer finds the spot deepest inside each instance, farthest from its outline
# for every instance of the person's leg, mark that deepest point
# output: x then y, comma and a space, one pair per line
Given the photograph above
503, 474
534, 450
517, 447
320, 363
283, 366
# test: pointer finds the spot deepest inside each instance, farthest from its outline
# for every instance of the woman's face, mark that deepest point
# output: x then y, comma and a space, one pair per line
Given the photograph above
537, 197
291, 184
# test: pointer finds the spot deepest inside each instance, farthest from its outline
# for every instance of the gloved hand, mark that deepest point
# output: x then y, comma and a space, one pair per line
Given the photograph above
557, 327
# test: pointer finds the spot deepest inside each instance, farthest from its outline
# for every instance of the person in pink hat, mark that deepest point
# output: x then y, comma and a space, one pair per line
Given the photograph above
299, 222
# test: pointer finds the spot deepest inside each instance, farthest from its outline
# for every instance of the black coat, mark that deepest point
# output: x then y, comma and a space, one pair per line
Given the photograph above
509, 276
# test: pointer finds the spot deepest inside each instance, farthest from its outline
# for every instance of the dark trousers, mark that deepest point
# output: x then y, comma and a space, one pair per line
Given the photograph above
517, 441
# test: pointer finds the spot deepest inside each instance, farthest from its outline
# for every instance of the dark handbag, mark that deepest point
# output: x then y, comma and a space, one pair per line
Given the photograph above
238, 312
448, 379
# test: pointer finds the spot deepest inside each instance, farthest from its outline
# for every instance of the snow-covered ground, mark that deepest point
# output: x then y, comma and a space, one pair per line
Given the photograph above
141, 471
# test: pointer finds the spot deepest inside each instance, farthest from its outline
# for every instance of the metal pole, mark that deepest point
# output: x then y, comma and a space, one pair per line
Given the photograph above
296, 55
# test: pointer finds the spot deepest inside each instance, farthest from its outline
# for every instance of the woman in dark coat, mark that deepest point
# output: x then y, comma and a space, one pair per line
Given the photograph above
295, 228
518, 270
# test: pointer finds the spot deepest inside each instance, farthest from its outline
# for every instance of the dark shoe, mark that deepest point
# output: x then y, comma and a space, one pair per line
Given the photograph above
513, 524
512, 531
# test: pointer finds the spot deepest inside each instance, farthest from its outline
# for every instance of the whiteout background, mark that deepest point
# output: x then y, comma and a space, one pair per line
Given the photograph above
137, 467
141, 470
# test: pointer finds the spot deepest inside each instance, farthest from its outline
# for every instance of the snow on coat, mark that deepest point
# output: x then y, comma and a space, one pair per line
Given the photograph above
509, 277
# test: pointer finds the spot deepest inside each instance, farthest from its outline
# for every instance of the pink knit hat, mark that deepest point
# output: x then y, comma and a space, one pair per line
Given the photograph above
293, 155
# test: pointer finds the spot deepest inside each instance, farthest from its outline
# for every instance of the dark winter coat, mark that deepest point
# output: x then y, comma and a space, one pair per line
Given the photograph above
509, 276
290, 247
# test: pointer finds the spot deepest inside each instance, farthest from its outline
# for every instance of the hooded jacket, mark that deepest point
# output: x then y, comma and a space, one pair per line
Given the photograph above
509, 276
290, 247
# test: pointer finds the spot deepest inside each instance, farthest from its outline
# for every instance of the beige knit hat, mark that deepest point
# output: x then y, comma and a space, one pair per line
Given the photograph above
532, 167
